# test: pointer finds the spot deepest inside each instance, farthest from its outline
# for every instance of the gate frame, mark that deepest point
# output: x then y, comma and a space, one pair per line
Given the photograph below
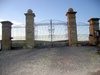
72, 30
30, 29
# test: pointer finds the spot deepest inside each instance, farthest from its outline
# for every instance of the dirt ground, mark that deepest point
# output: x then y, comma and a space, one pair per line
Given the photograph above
51, 61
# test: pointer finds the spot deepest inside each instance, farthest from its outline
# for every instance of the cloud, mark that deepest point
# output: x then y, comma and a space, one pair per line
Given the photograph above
17, 23
14, 22
1, 20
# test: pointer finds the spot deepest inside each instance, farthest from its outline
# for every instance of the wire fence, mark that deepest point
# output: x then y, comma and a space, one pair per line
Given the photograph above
18, 32
83, 32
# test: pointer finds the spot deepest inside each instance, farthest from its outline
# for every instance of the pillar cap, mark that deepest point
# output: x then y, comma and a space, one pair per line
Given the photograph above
30, 12
93, 19
71, 11
6, 22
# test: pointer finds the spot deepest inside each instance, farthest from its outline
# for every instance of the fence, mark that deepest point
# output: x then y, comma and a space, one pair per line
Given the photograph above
18, 35
45, 32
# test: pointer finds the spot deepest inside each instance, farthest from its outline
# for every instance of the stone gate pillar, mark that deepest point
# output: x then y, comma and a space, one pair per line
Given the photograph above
94, 26
6, 35
30, 29
72, 30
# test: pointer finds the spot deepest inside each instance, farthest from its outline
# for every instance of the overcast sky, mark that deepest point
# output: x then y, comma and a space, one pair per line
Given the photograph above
13, 10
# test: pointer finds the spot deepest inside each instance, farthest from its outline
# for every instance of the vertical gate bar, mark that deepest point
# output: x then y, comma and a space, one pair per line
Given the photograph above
51, 30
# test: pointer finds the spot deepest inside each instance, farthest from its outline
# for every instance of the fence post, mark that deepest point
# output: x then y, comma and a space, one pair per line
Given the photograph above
94, 26
72, 30
6, 35
30, 29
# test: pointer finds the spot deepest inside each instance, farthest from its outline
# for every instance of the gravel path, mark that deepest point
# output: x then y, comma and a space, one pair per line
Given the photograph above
51, 61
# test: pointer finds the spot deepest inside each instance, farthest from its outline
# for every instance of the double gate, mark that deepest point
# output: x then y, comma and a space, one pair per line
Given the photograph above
51, 33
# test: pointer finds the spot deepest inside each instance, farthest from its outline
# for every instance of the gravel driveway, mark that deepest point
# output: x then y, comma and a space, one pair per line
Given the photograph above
51, 61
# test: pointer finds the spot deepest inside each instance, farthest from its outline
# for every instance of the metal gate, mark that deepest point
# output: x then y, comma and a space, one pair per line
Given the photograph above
51, 33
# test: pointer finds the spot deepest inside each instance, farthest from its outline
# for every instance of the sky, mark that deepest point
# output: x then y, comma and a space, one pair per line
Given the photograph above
14, 10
